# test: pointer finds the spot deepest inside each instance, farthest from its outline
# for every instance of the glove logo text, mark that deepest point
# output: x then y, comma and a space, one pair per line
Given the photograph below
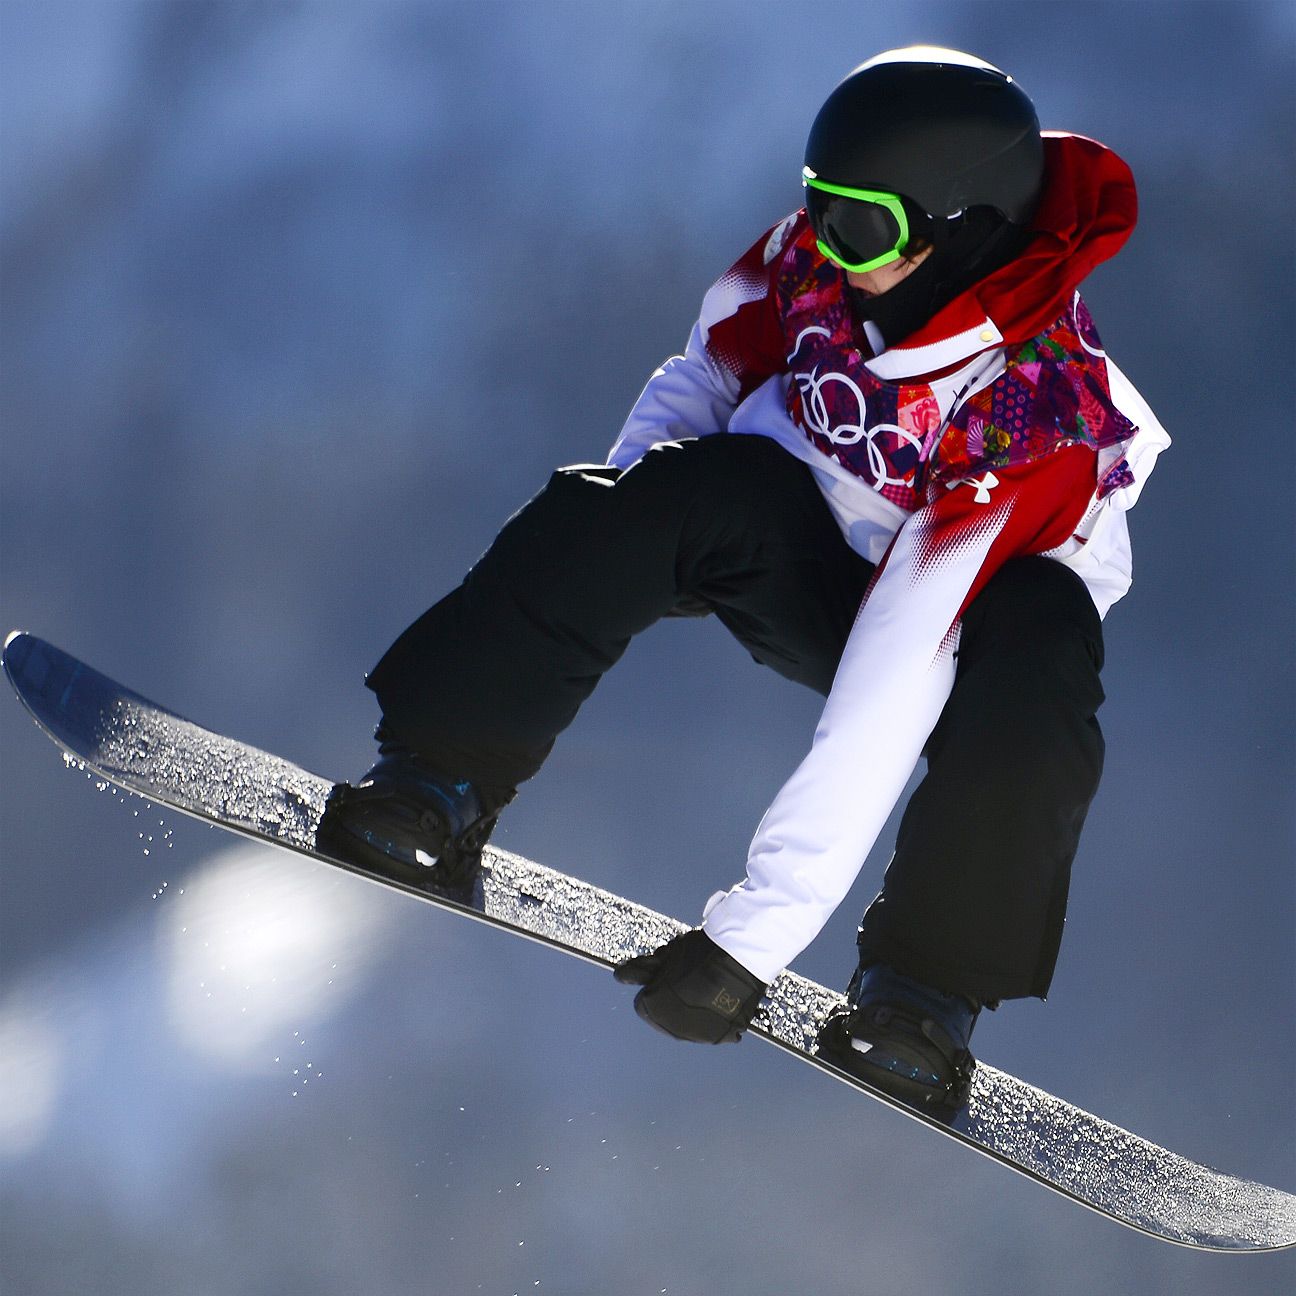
726, 1003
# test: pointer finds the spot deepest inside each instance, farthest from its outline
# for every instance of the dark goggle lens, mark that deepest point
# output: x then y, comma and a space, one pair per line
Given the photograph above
857, 231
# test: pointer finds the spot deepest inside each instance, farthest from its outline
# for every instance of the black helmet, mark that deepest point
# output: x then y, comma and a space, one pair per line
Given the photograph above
942, 128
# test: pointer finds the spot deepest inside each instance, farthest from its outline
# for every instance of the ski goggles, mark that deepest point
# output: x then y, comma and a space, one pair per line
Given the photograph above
857, 229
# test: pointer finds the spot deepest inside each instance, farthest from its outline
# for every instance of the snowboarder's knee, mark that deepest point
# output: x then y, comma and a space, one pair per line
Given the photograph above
1035, 608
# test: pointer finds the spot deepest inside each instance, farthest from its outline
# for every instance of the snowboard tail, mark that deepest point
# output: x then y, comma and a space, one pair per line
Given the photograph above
166, 759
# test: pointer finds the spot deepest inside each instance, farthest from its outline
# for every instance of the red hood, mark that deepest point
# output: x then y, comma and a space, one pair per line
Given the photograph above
1087, 211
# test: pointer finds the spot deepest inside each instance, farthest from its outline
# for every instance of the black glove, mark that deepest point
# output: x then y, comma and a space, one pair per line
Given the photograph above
693, 990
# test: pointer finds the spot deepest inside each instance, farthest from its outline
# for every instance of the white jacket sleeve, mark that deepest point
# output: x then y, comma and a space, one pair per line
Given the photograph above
689, 396
895, 675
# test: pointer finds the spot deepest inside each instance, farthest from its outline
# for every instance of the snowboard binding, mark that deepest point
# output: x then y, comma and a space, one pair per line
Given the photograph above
905, 1038
404, 822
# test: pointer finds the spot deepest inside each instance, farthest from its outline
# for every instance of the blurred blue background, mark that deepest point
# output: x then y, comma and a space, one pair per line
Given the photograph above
298, 302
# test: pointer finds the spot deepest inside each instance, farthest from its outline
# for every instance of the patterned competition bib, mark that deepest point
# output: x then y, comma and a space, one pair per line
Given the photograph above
1053, 392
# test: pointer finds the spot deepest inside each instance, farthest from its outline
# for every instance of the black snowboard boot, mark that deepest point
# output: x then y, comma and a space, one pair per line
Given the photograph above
405, 821
904, 1037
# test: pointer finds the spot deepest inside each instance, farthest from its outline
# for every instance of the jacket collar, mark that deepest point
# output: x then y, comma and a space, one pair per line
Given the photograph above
1087, 212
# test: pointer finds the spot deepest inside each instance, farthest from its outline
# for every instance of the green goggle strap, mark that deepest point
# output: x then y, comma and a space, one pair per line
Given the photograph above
890, 201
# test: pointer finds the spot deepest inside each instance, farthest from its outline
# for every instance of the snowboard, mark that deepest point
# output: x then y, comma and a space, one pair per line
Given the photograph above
154, 753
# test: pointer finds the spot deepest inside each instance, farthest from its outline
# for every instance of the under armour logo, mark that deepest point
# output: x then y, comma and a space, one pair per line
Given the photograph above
982, 485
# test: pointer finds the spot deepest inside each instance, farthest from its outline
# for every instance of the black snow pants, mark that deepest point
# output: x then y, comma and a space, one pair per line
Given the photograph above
974, 898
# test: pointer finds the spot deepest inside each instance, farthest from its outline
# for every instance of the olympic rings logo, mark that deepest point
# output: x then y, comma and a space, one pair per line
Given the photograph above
819, 421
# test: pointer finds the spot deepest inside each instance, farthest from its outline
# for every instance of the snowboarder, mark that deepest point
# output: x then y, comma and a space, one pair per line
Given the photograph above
894, 461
